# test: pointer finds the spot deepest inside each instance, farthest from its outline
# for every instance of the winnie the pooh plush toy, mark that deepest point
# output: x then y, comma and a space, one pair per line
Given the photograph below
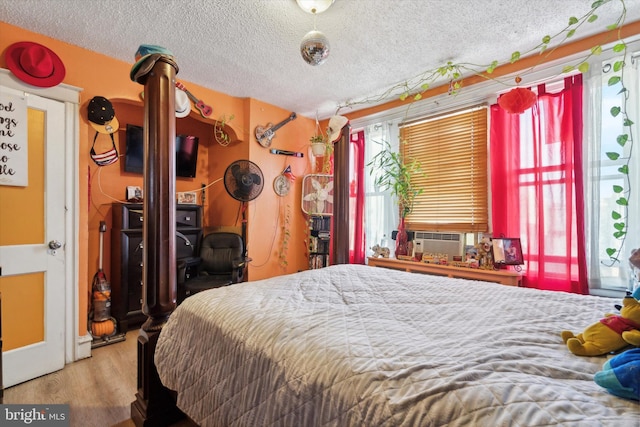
609, 334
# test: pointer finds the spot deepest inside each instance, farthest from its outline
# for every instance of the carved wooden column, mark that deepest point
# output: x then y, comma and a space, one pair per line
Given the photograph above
341, 198
155, 404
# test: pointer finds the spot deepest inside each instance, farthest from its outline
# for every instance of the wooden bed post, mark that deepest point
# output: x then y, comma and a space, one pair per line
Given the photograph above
341, 199
155, 404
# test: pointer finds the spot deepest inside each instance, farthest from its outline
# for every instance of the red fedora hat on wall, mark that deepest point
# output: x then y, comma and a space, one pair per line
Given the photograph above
35, 64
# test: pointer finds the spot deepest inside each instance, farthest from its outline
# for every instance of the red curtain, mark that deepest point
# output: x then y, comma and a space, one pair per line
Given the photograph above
356, 199
537, 186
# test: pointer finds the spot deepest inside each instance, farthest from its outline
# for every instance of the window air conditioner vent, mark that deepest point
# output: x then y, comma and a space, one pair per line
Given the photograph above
440, 243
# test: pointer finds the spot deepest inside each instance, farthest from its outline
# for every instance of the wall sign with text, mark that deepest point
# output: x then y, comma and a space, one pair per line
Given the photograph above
14, 153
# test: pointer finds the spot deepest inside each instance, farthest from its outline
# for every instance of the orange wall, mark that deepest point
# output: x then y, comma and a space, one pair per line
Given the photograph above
268, 214
99, 75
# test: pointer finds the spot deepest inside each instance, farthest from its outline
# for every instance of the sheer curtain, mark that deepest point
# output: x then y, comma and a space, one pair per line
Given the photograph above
381, 212
537, 186
601, 132
591, 169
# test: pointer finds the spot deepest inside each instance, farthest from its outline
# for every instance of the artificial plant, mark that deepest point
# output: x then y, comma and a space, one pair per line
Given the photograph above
393, 172
319, 138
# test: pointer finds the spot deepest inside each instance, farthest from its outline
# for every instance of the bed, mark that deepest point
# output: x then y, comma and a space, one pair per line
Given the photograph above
353, 345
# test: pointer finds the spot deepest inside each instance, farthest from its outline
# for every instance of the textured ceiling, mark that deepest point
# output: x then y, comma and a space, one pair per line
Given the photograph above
250, 48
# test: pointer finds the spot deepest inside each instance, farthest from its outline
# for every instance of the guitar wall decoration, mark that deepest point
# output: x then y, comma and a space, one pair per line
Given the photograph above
203, 108
264, 134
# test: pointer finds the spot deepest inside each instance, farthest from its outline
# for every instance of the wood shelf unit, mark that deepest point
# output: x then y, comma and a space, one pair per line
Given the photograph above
319, 241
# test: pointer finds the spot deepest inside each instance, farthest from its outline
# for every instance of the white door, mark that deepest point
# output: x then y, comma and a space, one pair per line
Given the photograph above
32, 275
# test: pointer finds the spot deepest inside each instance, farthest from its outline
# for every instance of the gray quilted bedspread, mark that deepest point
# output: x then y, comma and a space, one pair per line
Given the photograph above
362, 346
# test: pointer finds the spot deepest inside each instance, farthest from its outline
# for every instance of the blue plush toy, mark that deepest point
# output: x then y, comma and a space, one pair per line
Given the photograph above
620, 375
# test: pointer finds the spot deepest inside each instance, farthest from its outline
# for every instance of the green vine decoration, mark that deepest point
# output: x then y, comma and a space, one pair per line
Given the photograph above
219, 134
307, 242
453, 75
286, 237
326, 164
620, 216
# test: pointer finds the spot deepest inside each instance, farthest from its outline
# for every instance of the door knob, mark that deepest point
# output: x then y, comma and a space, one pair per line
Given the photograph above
54, 244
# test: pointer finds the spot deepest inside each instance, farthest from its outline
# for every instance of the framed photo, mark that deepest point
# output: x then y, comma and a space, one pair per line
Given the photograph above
134, 194
470, 252
187, 198
507, 251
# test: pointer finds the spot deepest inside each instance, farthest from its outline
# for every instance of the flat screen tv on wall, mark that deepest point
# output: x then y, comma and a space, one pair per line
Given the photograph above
186, 152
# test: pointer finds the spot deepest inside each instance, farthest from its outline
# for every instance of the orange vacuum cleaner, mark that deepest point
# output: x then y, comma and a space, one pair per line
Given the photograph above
102, 326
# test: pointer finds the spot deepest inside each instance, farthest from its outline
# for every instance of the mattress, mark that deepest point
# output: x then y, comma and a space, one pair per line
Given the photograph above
353, 345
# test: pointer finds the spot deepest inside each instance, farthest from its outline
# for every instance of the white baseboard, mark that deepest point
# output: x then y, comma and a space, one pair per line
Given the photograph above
83, 346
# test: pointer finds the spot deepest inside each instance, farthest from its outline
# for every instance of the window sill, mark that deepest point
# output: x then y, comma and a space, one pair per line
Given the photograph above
609, 293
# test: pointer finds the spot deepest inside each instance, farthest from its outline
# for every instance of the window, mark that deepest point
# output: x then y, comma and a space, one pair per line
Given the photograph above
599, 171
536, 175
380, 211
452, 150
602, 174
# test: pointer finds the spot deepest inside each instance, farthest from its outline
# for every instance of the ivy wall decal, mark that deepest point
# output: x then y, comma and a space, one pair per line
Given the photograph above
452, 74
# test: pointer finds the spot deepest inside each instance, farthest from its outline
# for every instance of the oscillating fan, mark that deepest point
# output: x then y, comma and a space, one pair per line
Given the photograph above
243, 180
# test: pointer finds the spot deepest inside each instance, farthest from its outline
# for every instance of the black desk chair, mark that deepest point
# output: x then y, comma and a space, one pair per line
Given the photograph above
221, 262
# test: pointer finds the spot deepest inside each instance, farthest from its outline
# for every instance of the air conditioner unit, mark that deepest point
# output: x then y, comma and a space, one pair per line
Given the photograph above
440, 243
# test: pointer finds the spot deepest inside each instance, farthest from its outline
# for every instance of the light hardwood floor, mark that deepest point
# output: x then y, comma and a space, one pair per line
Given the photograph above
99, 389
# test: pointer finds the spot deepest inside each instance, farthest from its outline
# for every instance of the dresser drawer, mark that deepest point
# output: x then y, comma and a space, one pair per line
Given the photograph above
135, 218
184, 218
187, 218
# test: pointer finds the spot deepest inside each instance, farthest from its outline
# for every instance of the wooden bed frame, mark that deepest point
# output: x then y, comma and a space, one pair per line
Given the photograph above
154, 404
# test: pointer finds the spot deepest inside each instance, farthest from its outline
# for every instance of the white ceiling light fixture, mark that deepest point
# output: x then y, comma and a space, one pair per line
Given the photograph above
314, 6
314, 47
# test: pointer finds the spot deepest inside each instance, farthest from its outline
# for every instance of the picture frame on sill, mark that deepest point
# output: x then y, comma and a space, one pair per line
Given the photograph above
470, 252
507, 251
134, 194
187, 198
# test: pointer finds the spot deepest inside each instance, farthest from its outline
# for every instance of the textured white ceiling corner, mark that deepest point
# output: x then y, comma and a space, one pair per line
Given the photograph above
250, 48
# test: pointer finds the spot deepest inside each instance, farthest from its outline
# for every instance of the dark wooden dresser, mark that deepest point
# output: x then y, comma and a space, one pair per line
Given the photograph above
126, 257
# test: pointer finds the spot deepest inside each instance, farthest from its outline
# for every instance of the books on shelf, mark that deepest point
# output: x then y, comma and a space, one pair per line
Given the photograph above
319, 241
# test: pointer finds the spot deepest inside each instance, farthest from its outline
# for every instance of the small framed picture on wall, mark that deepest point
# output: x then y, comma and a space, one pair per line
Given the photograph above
134, 194
187, 198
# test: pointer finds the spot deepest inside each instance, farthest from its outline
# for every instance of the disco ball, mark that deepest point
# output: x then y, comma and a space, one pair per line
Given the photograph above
314, 48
